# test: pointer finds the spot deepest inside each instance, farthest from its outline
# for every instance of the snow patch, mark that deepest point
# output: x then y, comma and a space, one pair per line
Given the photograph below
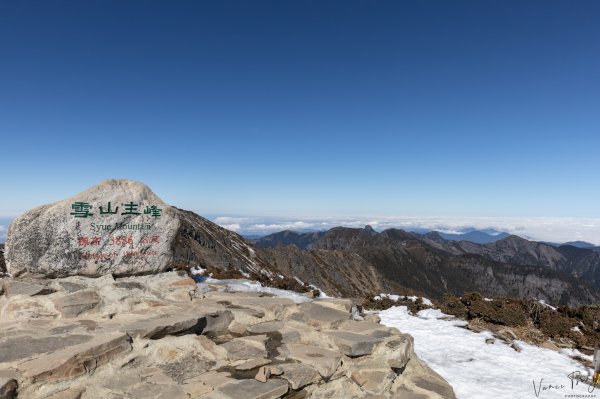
542, 302
396, 298
477, 370
197, 271
253, 286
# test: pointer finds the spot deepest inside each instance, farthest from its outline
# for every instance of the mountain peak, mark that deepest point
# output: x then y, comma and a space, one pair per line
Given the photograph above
369, 229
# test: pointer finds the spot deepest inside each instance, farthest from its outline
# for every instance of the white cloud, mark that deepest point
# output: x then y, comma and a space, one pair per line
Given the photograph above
551, 229
233, 226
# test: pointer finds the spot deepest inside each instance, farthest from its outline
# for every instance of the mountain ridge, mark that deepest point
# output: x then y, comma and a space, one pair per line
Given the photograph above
427, 263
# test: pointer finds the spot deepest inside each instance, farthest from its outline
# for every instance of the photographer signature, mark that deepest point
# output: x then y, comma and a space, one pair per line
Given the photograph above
576, 377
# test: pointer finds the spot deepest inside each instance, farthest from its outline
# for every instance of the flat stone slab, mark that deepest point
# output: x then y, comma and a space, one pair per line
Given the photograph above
252, 364
75, 360
321, 315
242, 349
342, 304
325, 361
268, 326
24, 347
375, 330
299, 375
352, 344
173, 324
252, 389
74, 304
71, 287
14, 287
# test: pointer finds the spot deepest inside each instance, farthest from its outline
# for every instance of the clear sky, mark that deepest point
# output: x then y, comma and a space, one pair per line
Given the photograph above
320, 108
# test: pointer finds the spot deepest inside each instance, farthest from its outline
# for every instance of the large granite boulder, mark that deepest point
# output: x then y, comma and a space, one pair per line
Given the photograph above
120, 227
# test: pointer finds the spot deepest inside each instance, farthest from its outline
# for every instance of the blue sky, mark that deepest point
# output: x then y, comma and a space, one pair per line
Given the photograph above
306, 108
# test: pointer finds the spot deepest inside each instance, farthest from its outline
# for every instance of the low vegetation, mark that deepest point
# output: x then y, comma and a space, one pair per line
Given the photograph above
530, 320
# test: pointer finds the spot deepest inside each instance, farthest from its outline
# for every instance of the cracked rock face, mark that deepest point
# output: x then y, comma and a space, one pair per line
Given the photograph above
120, 227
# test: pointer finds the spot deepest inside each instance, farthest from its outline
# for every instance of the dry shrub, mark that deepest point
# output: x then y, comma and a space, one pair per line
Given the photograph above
529, 333
555, 325
385, 303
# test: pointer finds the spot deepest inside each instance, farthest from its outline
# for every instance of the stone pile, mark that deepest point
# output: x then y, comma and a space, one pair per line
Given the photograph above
164, 336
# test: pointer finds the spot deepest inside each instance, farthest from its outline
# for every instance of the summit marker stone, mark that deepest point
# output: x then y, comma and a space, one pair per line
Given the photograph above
113, 227
120, 227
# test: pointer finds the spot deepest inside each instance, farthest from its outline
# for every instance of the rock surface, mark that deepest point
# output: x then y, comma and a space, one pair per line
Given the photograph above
120, 227
146, 337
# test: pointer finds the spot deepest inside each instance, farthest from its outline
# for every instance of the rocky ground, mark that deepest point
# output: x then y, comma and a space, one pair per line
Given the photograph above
164, 336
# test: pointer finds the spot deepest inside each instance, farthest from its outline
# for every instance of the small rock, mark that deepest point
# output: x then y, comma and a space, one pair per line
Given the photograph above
263, 374
237, 328
275, 370
490, 341
475, 328
515, 346
549, 345
373, 318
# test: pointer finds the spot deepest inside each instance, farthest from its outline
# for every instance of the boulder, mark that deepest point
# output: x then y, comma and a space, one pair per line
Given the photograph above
120, 227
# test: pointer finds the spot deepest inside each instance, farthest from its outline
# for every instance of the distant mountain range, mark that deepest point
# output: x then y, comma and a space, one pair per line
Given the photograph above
352, 262
483, 236
360, 262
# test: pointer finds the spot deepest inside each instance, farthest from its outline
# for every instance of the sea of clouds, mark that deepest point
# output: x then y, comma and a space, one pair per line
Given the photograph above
551, 229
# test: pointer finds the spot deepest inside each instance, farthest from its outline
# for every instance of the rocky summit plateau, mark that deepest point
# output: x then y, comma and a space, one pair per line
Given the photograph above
98, 301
